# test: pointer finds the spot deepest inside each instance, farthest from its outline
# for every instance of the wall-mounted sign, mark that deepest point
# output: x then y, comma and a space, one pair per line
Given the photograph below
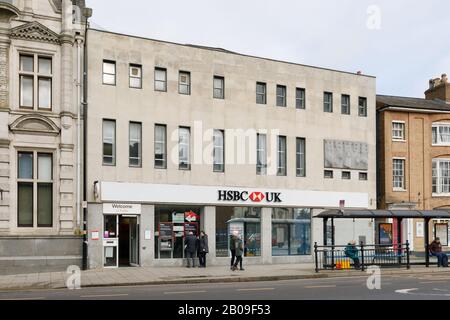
346, 155
122, 208
217, 195
246, 196
165, 230
178, 217
147, 235
191, 227
95, 235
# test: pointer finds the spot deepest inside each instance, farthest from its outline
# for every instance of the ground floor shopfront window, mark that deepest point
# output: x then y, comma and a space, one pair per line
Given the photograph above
172, 224
243, 221
291, 231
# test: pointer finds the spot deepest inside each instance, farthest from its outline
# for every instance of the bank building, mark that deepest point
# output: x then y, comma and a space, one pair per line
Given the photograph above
183, 138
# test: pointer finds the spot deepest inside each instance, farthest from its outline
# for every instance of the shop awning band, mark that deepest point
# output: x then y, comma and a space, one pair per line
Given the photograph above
384, 214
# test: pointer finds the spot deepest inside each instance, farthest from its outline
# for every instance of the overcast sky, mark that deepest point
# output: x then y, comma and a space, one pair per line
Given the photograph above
407, 43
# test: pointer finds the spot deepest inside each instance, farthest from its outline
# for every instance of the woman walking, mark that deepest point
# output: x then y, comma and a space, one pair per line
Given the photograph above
203, 249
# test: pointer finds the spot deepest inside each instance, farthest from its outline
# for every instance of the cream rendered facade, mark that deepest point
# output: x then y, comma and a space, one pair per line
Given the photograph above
39, 29
149, 187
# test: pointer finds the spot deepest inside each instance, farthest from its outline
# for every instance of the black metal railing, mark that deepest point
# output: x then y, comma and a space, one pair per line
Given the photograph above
361, 256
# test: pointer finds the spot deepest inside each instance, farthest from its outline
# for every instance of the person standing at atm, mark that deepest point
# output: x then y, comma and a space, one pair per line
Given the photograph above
190, 245
203, 249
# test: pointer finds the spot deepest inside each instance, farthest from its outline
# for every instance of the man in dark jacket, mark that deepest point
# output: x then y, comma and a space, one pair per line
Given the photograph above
190, 244
203, 249
233, 240
436, 250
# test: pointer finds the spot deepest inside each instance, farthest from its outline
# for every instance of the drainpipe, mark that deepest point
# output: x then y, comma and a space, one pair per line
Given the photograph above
79, 106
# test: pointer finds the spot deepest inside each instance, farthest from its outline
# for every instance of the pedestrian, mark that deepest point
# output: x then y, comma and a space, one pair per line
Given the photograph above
190, 245
233, 239
436, 251
239, 253
203, 249
352, 252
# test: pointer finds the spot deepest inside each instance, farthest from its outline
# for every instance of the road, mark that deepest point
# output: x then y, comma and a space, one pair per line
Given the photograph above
400, 287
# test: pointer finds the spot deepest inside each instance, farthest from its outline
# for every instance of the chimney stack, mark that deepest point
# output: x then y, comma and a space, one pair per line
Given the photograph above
439, 89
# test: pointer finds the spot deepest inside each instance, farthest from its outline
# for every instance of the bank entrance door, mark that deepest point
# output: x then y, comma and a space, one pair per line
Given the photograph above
121, 241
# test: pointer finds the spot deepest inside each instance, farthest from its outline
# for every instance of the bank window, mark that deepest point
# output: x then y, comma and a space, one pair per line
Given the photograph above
398, 175
35, 190
109, 72
184, 137
219, 87
281, 96
346, 175
345, 104
300, 98
109, 142
363, 176
261, 154
160, 79
441, 176
35, 69
398, 130
328, 102
328, 174
362, 107
172, 224
301, 157
281, 159
219, 151
441, 134
160, 146
135, 76
244, 222
135, 134
261, 93
291, 231
184, 86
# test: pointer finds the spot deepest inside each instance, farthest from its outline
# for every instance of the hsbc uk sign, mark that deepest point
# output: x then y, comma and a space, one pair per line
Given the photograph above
245, 196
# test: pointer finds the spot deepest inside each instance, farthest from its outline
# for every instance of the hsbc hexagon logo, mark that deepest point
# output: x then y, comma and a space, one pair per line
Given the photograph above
245, 196
257, 196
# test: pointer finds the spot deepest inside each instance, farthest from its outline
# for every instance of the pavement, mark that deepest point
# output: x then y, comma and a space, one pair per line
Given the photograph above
182, 275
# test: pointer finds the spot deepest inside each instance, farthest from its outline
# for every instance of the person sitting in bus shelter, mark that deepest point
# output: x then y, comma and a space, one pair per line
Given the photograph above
352, 252
436, 250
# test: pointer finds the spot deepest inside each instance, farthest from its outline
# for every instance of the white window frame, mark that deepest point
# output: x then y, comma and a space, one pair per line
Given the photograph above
163, 144
261, 154
184, 84
261, 94
138, 77
219, 92
186, 145
300, 158
398, 138
329, 103
282, 156
138, 141
436, 173
36, 77
437, 125
219, 148
111, 62
347, 105
164, 82
403, 187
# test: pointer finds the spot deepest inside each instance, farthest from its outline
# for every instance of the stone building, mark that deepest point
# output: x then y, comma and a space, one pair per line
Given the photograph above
164, 121
41, 52
414, 157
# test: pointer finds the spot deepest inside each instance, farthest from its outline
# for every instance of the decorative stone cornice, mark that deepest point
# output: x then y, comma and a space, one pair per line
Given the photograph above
35, 124
35, 31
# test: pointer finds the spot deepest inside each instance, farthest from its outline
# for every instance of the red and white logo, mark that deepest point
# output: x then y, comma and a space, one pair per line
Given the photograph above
257, 196
191, 216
